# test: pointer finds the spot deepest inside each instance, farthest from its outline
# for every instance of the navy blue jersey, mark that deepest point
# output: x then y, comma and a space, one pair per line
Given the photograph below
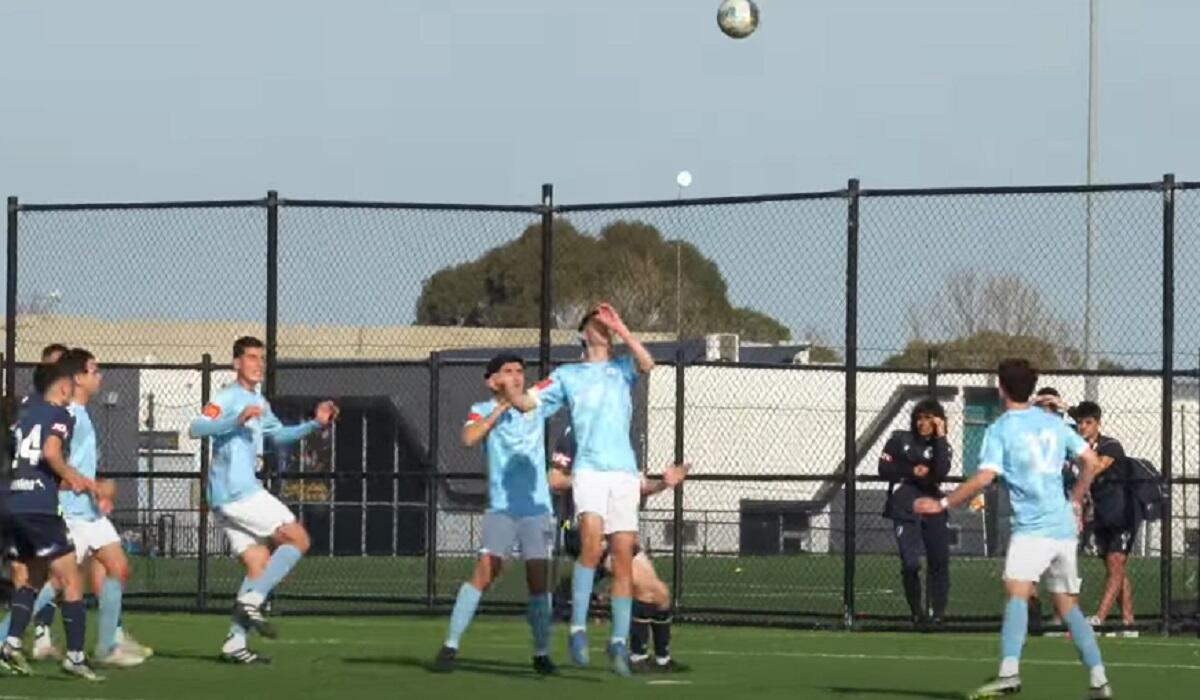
34, 486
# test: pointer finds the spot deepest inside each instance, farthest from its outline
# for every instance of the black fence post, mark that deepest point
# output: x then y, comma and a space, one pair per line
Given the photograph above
10, 320
432, 484
1168, 394
677, 545
272, 322
202, 544
931, 381
547, 279
851, 401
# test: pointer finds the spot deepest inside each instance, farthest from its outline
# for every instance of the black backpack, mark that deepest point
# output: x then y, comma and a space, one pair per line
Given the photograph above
1148, 493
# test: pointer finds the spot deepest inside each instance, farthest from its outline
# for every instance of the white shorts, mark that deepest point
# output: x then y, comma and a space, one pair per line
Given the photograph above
90, 536
252, 520
614, 496
1031, 557
532, 537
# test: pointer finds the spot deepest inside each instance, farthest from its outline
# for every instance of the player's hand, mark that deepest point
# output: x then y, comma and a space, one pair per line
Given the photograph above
105, 505
939, 427
106, 489
326, 413
1077, 510
78, 483
927, 506
607, 315
249, 413
1051, 403
920, 471
558, 480
674, 475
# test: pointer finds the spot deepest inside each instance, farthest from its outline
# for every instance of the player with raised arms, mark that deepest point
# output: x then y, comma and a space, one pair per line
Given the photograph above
1027, 446
262, 532
607, 485
520, 512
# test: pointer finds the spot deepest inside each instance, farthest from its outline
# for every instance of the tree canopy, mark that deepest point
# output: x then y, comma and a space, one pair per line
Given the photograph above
627, 263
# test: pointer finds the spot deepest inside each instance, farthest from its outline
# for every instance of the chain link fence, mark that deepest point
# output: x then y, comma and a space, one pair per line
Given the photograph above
793, 335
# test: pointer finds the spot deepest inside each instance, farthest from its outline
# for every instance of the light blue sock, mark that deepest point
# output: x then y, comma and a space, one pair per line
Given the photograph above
1084, 638
110, 615
280, 564
622, 611
582, 579
539, 623
45, 597
463, 613
235, 629
1012, 633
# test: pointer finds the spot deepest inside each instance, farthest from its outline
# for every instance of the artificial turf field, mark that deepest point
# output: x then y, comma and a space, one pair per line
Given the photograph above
348, 657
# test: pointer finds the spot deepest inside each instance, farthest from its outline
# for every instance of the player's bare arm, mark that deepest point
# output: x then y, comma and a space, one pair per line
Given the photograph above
964, 493
1092, 465
52, 453
672, 476
606, 314
475, 431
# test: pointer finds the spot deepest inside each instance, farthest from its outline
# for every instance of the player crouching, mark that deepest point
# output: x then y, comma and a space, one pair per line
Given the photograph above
652, 613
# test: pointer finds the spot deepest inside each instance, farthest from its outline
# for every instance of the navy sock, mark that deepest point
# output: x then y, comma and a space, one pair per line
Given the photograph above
22, 611
74, 616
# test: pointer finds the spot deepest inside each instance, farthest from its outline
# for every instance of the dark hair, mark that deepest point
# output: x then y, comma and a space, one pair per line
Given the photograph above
1017, 378
1048, 391
51, 349
79, 355
497, 363
241, 345
48, 373
1086, 409
926, 407
587, 317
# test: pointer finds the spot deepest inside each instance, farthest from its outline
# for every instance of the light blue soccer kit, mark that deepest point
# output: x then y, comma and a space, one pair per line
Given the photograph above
1027, 448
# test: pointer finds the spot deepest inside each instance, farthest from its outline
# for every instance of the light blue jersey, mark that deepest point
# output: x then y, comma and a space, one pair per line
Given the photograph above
236, 448
515, 450
80, 506
600, 396
1027, 448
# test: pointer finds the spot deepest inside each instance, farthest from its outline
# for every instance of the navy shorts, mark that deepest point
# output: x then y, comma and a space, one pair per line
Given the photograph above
31, 536
1111, 540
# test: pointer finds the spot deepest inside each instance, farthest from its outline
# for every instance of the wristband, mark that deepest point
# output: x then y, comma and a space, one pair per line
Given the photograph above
945, 503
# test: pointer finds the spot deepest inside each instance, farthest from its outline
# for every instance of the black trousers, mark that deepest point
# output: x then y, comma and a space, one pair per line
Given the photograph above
928, 537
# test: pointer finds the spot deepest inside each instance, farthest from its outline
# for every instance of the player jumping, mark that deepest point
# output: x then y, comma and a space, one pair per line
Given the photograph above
1026, 446
262, 532
651, 597
35, 532
607, 487
519, 510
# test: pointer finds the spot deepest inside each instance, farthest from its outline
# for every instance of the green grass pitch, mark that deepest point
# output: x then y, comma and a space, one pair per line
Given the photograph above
356, 657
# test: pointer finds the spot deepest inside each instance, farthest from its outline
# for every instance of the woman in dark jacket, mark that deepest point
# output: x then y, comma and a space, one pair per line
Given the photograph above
915, 462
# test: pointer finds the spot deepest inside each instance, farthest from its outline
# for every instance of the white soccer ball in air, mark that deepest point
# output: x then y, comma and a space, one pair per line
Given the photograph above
737, 18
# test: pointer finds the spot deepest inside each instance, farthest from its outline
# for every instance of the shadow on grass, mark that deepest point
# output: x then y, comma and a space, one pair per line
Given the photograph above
508, 669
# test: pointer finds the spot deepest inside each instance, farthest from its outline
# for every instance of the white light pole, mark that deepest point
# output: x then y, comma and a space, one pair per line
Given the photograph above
683, 180
1092, 147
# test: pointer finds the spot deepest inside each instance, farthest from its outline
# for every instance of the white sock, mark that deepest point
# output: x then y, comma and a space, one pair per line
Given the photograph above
1010, 667
451, 645
234, 642
251, 598
76, 657
617, 640
14, 642
663, 660
1099, 678
40, 631
638, 657
575, 629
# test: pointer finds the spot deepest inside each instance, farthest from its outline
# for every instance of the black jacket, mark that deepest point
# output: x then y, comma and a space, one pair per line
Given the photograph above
903, 452
1111, 506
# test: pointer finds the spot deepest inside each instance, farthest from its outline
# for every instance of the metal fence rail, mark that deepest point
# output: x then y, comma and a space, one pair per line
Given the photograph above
793, 332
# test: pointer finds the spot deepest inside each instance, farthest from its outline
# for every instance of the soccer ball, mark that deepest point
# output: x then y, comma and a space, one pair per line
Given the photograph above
737, 18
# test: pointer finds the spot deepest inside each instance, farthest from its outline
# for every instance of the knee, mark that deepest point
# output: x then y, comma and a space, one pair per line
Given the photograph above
295, 535
119, 571
487, 569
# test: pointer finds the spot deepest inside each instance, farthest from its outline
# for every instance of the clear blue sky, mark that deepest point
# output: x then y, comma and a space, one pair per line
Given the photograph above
480, 100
